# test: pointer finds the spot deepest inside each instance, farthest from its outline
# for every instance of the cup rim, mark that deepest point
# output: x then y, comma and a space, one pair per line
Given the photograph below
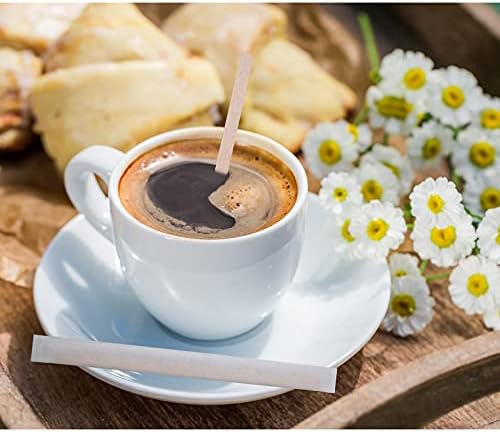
211, 132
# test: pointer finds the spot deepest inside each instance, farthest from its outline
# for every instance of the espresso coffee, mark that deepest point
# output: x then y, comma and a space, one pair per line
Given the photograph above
174, 189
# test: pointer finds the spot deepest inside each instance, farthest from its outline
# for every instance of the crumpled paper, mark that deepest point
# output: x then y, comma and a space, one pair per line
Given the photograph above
33, 207
33, 204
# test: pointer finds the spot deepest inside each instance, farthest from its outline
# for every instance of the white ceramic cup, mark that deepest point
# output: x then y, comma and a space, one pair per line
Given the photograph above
200, 288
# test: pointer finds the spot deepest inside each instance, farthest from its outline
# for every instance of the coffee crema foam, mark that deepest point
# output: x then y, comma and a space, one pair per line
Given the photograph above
259, 191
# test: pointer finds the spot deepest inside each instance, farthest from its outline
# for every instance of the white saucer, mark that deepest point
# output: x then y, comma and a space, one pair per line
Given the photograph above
330, 311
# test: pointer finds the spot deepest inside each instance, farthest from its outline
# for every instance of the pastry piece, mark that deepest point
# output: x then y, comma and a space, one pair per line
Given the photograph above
106, 32
18, 71
289, 132
34, 26
115, 79
288, 91
221, 31
288, 83
119, 104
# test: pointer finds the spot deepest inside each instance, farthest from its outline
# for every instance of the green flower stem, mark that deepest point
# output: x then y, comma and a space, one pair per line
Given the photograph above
455, 178
361, 116
475, 216
423, 265
371, 45
409, 225
386, 139
368, 150
437, 276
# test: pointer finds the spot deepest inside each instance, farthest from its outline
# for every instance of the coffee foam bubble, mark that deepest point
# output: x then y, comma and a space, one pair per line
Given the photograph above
259, 191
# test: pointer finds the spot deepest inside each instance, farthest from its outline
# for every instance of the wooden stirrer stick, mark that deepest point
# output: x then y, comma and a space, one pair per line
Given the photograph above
234, 114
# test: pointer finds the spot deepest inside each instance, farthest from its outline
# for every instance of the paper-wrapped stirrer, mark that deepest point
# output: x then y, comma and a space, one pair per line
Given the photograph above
209, 366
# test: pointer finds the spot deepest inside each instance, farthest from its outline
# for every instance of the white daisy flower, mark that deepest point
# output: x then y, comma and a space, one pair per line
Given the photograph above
378, 227
435, 200
377, 183
329, 147
362, 135
410, 308
488, 233
482, 192
429, 144
488, 115
406, 71
476, 152
473, 284
340, 230
403, 264
396, 162
454, 96
392, 111
491, 318
338, 190
444, 242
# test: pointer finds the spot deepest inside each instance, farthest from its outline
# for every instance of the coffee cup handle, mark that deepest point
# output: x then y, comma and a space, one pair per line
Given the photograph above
83, 189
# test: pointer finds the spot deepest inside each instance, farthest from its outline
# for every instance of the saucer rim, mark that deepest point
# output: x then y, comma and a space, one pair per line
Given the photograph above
180, 396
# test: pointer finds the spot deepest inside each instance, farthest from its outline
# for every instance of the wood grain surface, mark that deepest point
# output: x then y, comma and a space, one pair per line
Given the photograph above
62, 397
415, 394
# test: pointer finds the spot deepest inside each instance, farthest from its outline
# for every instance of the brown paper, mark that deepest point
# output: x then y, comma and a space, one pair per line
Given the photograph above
17, 262
33, 205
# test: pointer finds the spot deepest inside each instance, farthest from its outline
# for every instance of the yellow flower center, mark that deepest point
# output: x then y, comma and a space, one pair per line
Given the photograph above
330, 152
377, 229
497, 238
477, 284
490, 118
435, 203
431, 148
339, 194
453, 96
393, 168
400, 273
353, 130
490, 198
443, 237
482, 154
403, 305
371, 190
391, 106
345, 231
414, 78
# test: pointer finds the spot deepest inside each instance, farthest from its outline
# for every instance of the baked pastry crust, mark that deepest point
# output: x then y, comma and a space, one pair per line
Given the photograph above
119, 104
18, 71
35, 26
115, 79
221, 31
288, 91
111, 33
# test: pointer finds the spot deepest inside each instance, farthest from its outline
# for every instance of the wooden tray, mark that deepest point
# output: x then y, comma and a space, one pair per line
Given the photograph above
63, 397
